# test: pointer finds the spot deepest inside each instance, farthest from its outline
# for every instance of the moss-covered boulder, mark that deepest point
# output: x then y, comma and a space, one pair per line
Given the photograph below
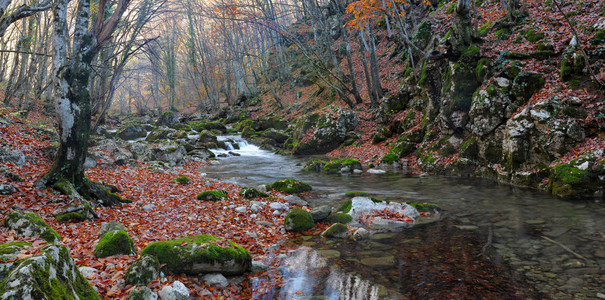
271, 122
29, 224
577, 178
290, 186
168, 118
337, 230
142, 271
314, 165
143, 293
200, 254
320, 133
111, 226
298, 220
526, 85
215, 126
213, 195
182, 180
206, 137
131, 132
50, 275
160, 133
10, 249
250, 192
115, 243
342, 218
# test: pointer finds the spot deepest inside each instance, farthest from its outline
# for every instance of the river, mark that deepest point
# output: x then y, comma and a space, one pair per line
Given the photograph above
493, 242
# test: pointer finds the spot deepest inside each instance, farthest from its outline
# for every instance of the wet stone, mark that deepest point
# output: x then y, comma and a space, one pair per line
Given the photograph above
329, 253
386, 261
382, 236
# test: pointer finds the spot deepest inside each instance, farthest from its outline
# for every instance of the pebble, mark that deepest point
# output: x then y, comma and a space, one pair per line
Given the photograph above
254, 207
264, 223
241, 209
216, 280
148, 207
600, 295
276, 213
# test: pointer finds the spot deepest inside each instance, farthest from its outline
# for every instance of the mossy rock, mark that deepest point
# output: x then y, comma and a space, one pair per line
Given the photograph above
210, 126
332, 167
403, 148
355, 194
315, 165
526, 85
250, 192
182, 126
159, 133
343, 218
346, 207
213, 195
533, 35
291, 186
390, 158
425, 207
11, 249
206, 136
337, 230
199, 254
182, 180
271, 122
168, 118
115, 243
73, 216
50, 275
143, 293
298, 220
142, 271
569, 181
131, 132
469, 149
30, 224
351, 163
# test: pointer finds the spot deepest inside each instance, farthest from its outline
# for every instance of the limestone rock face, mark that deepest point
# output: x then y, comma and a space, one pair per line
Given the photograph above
320, 133
50, 275
171, 153
200, 254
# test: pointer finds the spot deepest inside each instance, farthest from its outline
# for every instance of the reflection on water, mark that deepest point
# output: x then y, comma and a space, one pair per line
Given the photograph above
539, 241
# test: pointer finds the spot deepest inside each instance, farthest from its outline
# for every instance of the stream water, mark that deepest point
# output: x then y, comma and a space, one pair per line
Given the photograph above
493, 242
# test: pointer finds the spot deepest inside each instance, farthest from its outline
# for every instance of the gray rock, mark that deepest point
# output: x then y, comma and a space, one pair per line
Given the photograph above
361, 234
167, 293
30, 224
376, 171
241, 209
386, 261
265, 223
87, 271
14, 156
336, 231
171, 153
148, 207
320, 213
143, 293
258, 266
7, 189
131, 132
216, 280
278, 206
295, 200
255, 207
142, 271
180, 290
90, 162
111, 226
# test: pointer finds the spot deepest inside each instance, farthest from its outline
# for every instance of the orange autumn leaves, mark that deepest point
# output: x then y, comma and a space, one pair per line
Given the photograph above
365, 10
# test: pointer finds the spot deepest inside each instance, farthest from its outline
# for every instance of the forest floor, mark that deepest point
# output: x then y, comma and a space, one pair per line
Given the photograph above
175, 213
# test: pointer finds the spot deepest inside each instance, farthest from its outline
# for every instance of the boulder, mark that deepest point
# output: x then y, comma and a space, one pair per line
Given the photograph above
320, 213
206, 137
168, 118
489, 109
337, 230
291, 186
13, 156
171, 153
131, 132
298, 220
295, 200
29, 224
278, 136
50, 275
7, 189
143, 293
201, 254
160, 133
320, 133
111, 226
214, 195
142, 271
250, 192
113, 243
216, 280
178, 291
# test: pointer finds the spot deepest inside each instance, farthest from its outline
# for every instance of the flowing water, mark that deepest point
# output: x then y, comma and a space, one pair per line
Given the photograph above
493, 242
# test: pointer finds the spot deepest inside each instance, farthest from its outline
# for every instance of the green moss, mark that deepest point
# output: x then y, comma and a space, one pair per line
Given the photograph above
71, 217
64, 186
425, 207
469, 149
423, 32
491, 90
542, 54
355, 194
115, 243
250, 192
12, 248
178, 255
298, 220
343, 218
351, 162
346, 207
483, 29
515, 55
599, 37
182, 180
533, 35
482, 68
390, 158
291, 186
503, 33
423, 75
471, 51
568, 181
314, 165
33, 222
332, 167
142, 271
451, 8
212, 195
566, 69
337, 230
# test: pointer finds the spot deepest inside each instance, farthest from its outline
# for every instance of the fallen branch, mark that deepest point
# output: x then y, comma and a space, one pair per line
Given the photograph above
565, 247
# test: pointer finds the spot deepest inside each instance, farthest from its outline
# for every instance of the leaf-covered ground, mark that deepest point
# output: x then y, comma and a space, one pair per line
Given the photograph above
176, 213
